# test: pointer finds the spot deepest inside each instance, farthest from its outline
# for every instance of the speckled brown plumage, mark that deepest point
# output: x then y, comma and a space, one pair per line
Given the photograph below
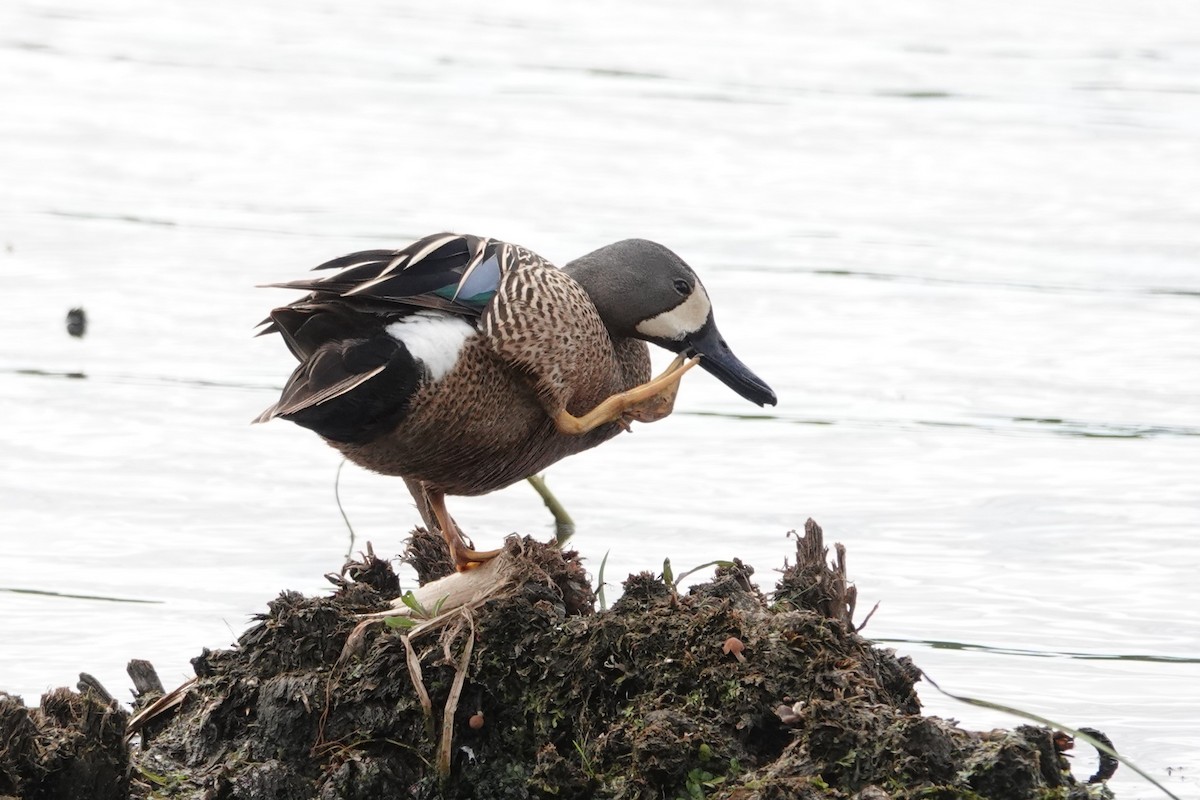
501, 433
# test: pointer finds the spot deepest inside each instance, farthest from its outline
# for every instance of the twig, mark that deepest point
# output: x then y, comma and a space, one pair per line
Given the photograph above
145, 678
460, 677
418, 682
168, 701
337, 496
858, 628
89, 683
600, 582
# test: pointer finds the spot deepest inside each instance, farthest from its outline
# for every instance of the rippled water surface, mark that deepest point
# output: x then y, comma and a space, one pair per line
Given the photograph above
963, 245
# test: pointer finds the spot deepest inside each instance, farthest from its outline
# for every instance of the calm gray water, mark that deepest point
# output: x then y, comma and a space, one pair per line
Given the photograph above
962, 244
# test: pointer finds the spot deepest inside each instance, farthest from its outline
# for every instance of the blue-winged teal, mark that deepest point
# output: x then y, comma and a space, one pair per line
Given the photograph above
465, 364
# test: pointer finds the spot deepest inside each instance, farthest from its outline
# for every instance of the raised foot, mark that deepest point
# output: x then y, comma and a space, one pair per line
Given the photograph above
646, 403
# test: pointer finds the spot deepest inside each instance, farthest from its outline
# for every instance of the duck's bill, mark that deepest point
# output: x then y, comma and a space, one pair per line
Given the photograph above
719, 360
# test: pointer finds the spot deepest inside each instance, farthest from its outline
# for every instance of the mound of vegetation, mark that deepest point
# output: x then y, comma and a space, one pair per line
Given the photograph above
523, 691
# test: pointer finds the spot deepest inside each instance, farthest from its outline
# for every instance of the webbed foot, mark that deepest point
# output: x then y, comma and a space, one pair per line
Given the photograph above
646, 403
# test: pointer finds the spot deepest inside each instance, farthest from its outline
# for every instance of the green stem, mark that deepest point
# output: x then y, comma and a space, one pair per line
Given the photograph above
564, 526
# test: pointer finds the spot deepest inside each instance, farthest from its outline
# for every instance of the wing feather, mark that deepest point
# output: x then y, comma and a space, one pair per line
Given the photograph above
338, 331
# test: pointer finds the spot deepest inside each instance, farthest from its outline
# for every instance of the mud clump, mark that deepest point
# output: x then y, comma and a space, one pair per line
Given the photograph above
71, 745
527, 694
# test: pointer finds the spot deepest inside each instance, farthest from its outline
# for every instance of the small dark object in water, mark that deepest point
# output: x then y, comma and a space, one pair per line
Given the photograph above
77, 322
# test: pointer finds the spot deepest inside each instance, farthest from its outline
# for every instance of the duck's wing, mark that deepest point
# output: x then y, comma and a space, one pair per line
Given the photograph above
350, 367
446, 271
458, 274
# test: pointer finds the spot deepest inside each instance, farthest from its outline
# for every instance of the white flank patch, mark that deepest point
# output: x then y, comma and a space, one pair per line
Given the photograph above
433, 338
687, 317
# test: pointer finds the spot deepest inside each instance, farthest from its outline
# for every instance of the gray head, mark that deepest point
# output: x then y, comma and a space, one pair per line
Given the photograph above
644, 291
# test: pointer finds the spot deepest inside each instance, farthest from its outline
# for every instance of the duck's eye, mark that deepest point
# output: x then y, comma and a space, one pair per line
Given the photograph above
683, 287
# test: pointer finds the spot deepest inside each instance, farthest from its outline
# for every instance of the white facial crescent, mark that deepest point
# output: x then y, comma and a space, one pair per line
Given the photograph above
687, 317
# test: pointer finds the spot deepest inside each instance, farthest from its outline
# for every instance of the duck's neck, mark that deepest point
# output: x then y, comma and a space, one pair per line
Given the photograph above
602, 276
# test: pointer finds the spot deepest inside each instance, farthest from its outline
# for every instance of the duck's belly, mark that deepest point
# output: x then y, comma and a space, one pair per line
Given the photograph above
481, 429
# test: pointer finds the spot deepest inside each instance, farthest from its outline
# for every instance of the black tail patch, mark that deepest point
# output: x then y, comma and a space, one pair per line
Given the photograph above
374, 407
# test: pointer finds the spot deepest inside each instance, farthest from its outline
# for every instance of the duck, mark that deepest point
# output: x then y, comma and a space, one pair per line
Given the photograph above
464, 364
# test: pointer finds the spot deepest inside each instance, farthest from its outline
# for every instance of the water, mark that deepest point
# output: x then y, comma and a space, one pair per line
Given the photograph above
962, 244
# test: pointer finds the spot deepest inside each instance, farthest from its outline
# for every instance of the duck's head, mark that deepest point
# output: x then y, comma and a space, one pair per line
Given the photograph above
644, 291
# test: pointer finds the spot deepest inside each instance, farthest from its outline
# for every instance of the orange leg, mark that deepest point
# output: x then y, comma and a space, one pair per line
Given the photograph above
463, 556
646, 403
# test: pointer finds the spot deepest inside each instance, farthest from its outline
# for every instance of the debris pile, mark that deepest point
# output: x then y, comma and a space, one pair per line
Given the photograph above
525, 692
